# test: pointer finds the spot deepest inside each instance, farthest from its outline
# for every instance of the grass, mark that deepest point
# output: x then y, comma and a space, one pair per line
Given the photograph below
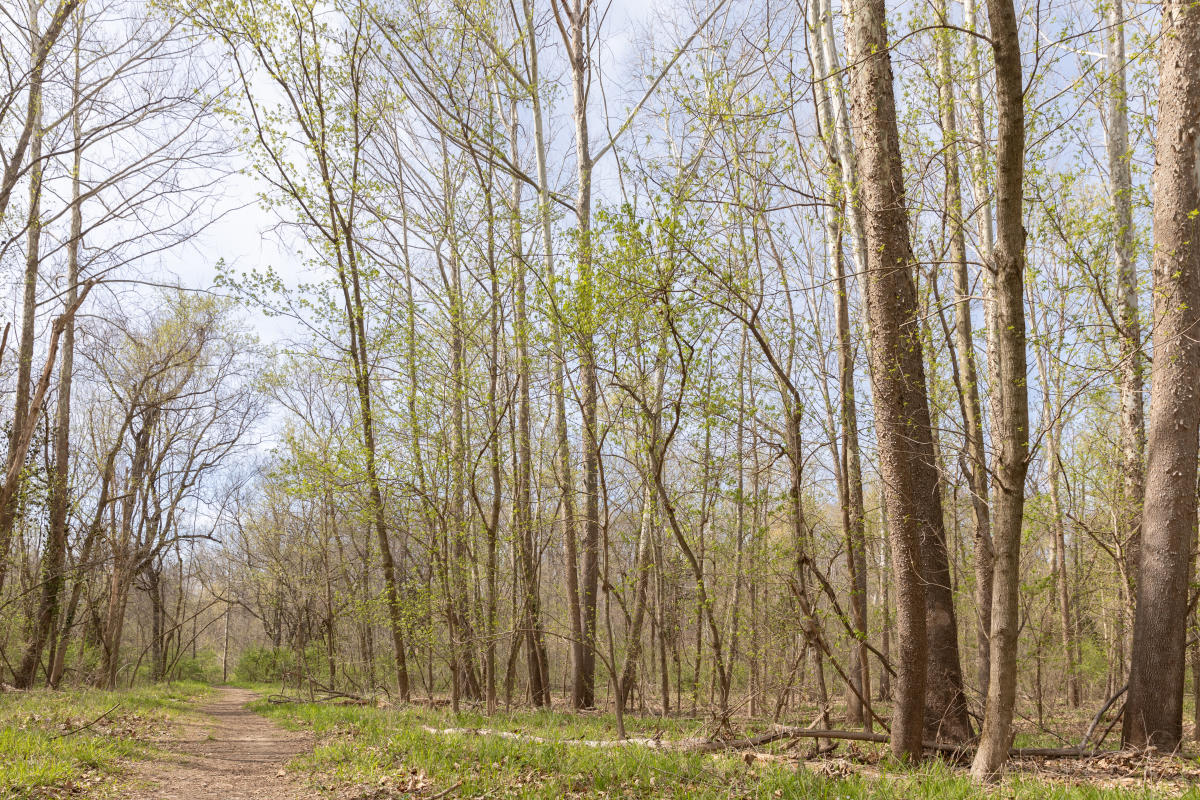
46, 750
388, 753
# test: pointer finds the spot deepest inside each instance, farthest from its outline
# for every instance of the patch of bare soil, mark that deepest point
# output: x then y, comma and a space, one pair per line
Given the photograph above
230, 753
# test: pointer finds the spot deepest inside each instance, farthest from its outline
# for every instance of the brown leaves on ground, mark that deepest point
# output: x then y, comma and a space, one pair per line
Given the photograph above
137, 725
407, 784
1120, 770
91, 784
1169, 774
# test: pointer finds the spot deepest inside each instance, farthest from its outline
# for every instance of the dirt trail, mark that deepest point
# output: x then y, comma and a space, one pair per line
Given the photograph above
229, 754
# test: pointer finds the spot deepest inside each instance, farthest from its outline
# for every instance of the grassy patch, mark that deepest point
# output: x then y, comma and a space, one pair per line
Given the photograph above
58, 743
389, 753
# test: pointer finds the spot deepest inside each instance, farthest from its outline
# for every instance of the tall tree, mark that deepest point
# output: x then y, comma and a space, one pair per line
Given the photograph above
1154, 709
322, 99
58, 500
33, 259
965, 369
1133, 431
906, 465
574, 21
849, 464
1009, 395
984, 555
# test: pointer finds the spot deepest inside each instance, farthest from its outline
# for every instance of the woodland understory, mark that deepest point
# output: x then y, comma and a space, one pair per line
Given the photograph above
759, 377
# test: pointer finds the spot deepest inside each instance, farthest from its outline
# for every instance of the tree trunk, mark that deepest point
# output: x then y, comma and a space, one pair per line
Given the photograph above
1154, 709
885, 677
1009, 396
902, 424
54, 559
33, 252
1133, 433
975, 461
642, 567
983, 554
562, 447
577, 38
849, 467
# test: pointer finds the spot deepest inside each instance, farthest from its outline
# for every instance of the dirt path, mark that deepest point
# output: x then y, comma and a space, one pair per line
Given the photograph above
229, 754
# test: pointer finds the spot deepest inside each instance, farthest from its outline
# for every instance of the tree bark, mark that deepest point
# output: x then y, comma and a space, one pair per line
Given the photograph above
54, 559
909, 475
984, 556
849, 468
562, 447
576, 35
1009, 396
1130, 377
531, 616
1154, 710
33, 237
975, 461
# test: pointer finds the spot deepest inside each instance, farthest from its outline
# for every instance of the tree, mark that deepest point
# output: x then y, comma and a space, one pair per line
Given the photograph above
1130, 378
1154, 709
327, 117
906, 466
1009, 397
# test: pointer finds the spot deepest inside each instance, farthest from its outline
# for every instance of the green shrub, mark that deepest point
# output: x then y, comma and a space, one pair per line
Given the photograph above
264, 664
204, 668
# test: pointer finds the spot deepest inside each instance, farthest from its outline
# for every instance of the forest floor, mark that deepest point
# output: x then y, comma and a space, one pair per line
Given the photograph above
80, 742
189, 743
377, 752
226, 752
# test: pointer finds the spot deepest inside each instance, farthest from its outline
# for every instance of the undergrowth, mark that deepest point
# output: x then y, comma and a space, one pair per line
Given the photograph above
70, 742
370, 752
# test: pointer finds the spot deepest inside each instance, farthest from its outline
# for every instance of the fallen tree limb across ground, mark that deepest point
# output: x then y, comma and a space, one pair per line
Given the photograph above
780, 733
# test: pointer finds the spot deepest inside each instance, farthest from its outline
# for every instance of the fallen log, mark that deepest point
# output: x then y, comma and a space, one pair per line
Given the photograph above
748, 743
525, 737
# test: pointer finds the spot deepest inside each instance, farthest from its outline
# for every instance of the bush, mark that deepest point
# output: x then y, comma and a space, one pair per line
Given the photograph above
205, 668
264, 664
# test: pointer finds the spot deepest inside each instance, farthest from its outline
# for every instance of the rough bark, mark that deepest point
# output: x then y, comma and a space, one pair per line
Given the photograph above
1154, 710
910, 481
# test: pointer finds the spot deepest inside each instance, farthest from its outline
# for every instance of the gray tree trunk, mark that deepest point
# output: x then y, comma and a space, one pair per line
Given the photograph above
1154, 709
1009, 395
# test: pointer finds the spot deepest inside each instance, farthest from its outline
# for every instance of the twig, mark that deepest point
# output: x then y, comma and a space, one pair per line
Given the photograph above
90, 724
445, 792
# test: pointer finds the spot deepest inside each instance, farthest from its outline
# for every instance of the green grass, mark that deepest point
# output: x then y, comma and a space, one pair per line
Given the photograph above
389, 749
40, 756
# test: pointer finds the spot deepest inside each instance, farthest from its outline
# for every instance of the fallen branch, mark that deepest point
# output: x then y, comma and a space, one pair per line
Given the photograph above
88, 725
326, 696
445, 792
1100, 715
778, 734
524, 737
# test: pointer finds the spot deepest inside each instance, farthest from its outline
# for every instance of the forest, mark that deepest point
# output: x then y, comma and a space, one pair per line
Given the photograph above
544, 398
